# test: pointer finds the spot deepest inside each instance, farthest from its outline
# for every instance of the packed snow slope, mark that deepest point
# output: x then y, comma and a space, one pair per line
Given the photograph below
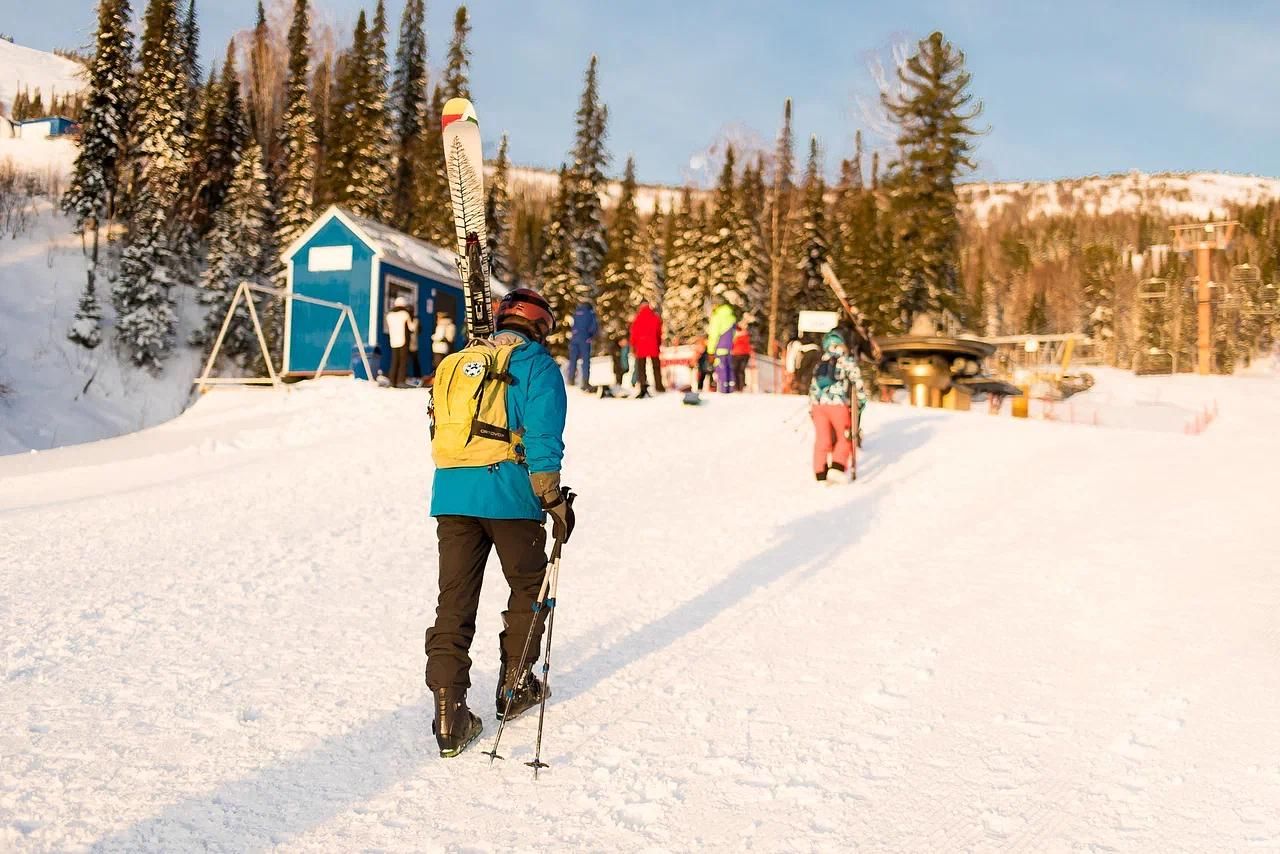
1005, 636
27, 68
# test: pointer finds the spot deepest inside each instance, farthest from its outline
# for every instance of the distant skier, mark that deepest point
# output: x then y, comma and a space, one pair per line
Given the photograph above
400, 325
834, 392
646, 347
497, 474
720, 341
584, 332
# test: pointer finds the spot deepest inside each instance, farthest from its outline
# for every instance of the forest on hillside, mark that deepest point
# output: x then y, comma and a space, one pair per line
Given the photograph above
206, 174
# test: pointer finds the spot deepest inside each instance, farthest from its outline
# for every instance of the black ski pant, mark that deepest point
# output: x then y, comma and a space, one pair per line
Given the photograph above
740, 373
654, 365
465, 543
399, 362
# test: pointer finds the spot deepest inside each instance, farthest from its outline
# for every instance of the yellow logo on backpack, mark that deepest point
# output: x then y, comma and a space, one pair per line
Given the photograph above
469, 408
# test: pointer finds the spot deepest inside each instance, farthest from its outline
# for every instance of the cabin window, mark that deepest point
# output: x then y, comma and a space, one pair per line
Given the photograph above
323, 259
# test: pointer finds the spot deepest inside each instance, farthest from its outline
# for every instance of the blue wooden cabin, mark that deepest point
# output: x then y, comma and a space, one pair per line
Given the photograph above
343, 258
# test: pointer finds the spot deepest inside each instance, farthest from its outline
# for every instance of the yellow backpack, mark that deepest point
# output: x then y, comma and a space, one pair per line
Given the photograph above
468, 408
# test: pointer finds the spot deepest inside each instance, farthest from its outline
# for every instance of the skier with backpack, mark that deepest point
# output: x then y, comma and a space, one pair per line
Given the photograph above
834, 392
497, 439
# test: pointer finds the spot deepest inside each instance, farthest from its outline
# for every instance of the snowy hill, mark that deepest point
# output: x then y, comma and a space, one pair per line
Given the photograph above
1006, 636
27, 68
1194, 196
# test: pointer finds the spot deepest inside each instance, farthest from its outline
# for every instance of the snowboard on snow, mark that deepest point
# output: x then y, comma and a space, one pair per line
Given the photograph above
464, 165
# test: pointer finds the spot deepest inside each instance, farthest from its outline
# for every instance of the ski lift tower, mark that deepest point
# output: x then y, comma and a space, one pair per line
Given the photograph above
1203, 238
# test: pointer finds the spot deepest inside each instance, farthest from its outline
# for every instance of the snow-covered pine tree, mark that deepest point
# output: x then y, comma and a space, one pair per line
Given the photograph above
856, 245
90, 198
811, 292
189, 52
350, 172
322, 92
685, 303
409, 108
587, 181
150, 267
236, 253
374, 155
497, 215
653, 273
219, 137
297, 135
556, 266
458, 65
779, 234
433, 218
724, 259
624, 265
753, 278
934, 111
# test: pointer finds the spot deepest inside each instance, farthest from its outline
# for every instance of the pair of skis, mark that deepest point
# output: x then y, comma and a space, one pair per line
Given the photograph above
464, 165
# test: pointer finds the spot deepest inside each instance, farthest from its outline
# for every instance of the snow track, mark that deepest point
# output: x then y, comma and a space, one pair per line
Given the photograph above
1006, 636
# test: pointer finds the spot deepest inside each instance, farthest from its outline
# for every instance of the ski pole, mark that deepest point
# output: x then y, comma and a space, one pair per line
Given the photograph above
543, 602
554, 572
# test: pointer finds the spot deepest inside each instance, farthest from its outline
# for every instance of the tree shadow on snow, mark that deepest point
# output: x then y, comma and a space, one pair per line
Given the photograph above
804, 545
270, 806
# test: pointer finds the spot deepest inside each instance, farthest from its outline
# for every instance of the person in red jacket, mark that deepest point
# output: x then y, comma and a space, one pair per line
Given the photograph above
646, 346
741, 353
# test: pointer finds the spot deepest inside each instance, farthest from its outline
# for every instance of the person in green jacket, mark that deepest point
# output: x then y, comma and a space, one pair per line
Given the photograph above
720, 344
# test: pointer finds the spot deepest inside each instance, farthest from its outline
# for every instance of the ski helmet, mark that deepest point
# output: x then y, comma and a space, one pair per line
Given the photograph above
525, 310
833, 339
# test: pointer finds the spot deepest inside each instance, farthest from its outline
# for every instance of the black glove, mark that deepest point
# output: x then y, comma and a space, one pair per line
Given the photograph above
560, 508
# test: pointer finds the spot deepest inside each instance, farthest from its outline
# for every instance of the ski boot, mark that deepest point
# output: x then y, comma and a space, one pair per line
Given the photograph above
837, 474
522, 688
455, 727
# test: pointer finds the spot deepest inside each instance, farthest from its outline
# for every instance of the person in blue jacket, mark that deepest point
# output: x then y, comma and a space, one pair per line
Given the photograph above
584, 332
502, 506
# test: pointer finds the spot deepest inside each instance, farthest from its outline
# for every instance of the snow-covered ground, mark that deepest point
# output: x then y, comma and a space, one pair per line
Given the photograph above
1008, 635
28, 68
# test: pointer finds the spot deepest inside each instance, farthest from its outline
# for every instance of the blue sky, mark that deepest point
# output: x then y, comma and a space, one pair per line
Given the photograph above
1069, 88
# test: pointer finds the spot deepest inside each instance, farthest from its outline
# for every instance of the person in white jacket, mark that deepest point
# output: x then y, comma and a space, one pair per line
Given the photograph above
400, 325
446, 332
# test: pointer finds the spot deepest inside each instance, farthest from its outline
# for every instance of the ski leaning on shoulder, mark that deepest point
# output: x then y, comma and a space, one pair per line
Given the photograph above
464, 165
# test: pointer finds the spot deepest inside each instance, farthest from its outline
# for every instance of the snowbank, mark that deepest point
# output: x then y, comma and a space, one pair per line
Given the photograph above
1008, 635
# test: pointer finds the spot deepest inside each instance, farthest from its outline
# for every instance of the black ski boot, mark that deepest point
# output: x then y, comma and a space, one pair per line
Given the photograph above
455, 727
521, 688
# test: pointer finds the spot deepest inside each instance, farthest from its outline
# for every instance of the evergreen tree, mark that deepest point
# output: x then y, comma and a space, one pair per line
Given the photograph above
1099, 266
375, 118
653, 274
811, 292
262, 107
190, 48
220, 135
685, 304
322, 103
753, 279
1037, 322
150, 267
236, 253
456, 70
723, 258
780, 236
409, 108
355, 173
587, 181
496, 217
623, 278
90, 198
934, 112
297, 135
556, 266
432, 218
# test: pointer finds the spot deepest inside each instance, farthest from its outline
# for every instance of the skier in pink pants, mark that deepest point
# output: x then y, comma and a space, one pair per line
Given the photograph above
834, 392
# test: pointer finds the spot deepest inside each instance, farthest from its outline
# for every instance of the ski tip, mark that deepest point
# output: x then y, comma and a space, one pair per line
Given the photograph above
458, 109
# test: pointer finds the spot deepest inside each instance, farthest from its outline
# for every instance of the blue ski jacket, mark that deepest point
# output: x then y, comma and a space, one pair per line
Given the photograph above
585, 326
536, 405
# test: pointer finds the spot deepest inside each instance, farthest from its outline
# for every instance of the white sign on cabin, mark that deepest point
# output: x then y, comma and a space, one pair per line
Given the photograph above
818, 321
323, 259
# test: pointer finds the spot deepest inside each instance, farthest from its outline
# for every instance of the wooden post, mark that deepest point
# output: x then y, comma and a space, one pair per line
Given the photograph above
1204, 313
217, 344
